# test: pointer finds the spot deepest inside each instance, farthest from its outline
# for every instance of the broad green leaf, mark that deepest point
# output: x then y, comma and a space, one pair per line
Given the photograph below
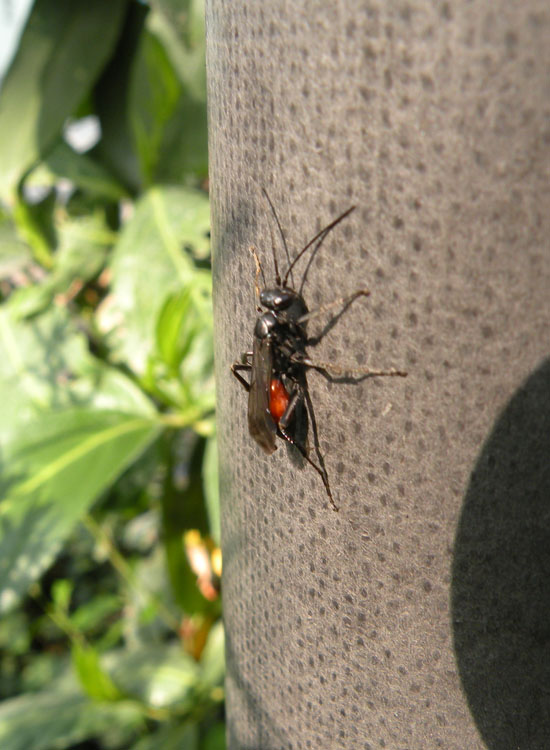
15, 636
172, 737
51, 474
148, 264
81, 169
154, 101
13, 17
213, 659
181, 368
167, 104
63, 48
83, 244
61, 716
45, 365
180, 27
14, 253
35, 226
158, 676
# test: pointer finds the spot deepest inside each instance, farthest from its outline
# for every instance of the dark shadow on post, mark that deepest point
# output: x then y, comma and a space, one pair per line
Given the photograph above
501, 576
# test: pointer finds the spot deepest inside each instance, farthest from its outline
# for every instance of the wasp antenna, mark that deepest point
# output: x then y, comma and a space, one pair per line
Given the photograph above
259, 270
319, 237
279, 227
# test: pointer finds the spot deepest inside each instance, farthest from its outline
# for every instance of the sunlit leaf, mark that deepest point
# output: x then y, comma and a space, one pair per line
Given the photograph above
159, 676
213, 659
45, 365
51, 474
95, 681
61, 717
180, 27
148, 264
82, 170
64, 45
83, 244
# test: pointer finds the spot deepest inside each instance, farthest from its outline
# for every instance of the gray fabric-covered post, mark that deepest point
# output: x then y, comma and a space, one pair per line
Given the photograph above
419, 615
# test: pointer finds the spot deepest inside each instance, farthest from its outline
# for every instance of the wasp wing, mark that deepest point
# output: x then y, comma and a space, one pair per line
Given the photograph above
261, 424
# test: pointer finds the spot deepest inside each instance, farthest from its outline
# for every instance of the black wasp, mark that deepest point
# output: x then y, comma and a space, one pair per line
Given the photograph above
277, 390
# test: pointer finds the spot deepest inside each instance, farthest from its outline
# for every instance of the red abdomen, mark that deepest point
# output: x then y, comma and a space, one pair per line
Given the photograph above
278, 399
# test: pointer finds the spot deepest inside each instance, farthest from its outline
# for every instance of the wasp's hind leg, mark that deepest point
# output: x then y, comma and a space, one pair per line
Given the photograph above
242, 366
298, 396
345, 372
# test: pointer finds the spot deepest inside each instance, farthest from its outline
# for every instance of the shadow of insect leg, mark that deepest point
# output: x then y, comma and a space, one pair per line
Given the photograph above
344, 302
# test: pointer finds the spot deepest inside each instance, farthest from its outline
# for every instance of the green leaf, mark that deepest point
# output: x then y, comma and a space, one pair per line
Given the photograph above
45, 365
148, 264
215, 738
116, 148
180, 27
52, 473
35, 226
155, 98
92, 615
95, 681
62, 590
181, 368
158, 676
171, 737
167, 105
213, 659
63, 48
81, 169
14, 253
171, 325
83, 244
61, 716
13, 17
15, 635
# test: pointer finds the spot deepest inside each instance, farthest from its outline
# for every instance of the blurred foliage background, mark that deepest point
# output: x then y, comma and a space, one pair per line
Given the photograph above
110, 631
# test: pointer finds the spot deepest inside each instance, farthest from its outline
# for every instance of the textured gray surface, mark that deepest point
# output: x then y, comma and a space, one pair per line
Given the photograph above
417, 617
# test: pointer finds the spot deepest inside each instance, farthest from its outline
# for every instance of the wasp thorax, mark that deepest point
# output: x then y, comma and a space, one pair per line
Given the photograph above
265, 325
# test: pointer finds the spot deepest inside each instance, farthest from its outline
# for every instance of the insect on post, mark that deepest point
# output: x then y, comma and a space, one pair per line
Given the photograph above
277, 365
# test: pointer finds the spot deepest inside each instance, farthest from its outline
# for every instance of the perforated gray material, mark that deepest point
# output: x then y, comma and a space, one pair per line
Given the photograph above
417, 616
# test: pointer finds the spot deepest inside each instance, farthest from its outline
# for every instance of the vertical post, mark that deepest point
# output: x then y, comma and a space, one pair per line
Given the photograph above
416, 616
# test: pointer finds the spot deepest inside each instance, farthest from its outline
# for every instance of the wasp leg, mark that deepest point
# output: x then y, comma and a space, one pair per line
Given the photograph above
315, 433
242, 366
297, 395
326, 368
